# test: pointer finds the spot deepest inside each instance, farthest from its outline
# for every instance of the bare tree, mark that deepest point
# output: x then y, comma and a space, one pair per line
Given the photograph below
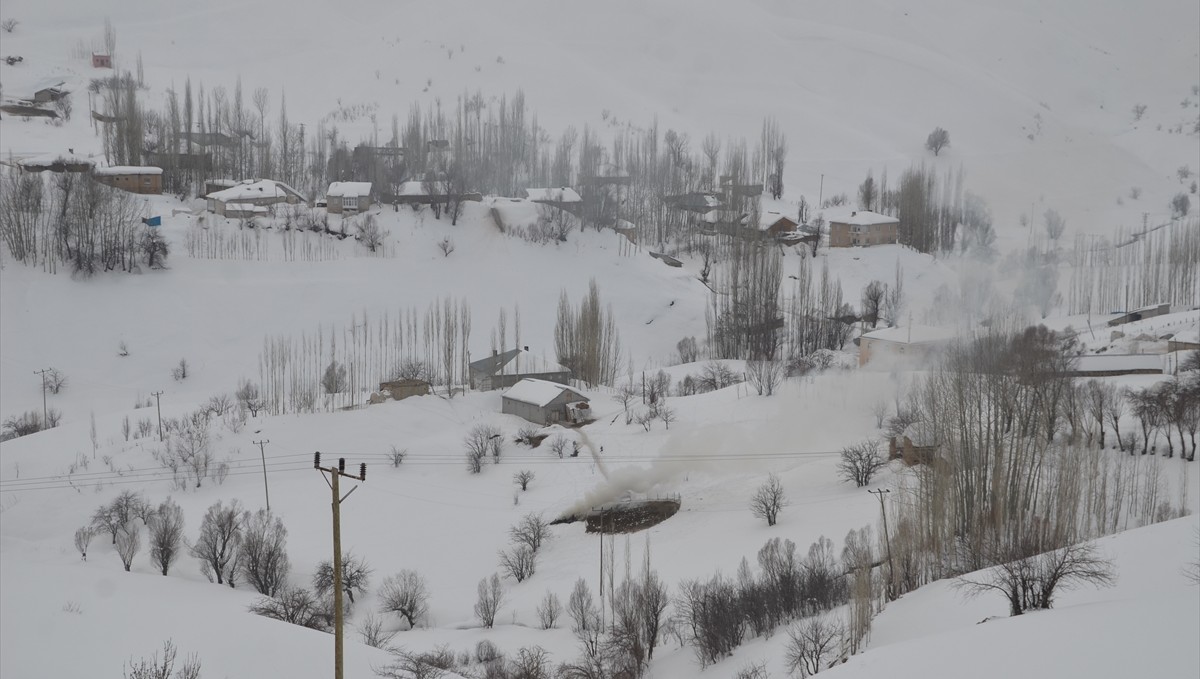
860, 462
446, 246
812, 646
1030, 580
519, 562
687, 350
768, 500
83, 538
582, 608
220, 540
522, 478
558, 444
532, 531
166, 535
872, 302
333, 380
868, 193
549, 610
264, 561
294, 605
764, 375
165, 668
666, 414
356, 576
406, 595
129, 543
879, 408
479, 441
369, 233
937, 140
373, 633
490, 597
9, 25
406, 665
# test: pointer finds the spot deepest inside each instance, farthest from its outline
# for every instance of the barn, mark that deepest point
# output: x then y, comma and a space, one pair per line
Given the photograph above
543, 402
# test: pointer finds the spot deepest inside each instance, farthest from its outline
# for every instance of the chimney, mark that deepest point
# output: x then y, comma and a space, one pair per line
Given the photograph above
526, 348
854, 213
495, 353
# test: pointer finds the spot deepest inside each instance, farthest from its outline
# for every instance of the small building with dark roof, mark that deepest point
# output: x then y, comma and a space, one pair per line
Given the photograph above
505, 368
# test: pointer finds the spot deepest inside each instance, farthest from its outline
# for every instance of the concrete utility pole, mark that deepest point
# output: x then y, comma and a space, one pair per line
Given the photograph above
45, 411
335, 473
261, 452
158, 407
887, 539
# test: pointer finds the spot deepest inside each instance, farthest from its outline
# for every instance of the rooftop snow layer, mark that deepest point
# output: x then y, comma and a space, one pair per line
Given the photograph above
349, 189
564, 195
263, 188
538, 392
127, 169
863, 218
913, 334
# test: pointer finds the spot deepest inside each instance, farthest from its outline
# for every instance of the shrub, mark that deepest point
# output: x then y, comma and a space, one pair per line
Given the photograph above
294, 605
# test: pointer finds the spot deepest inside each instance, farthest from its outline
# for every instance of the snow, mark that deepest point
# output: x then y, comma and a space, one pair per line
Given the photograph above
1036, 97
538, 392
349, 189
561, 195
126, 169
859, 218
913, 334
413, 189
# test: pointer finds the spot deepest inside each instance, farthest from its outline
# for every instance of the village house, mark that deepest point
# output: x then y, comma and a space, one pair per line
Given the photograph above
348, 197
101, 60
47, 91
504, 369
61, 162
260, 193
863, 228
776, 225
403, 388
134, 179
913, 343
1187, 340
565, 198
544, 403
916, 445
701, 203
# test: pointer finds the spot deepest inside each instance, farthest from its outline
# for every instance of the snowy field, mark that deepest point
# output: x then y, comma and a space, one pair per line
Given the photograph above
1038, 100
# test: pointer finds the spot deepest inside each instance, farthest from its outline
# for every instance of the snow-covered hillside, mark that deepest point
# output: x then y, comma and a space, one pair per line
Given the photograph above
1038, 100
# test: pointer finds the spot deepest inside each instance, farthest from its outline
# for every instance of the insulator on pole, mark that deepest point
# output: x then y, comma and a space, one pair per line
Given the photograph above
362, 472
341, 465
317, 460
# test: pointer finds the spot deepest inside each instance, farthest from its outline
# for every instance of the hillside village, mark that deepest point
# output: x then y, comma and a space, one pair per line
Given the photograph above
607, 379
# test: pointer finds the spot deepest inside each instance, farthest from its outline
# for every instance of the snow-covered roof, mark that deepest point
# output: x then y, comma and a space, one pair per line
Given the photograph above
1191, 336
48, 84
913, 334
127, 169
525, 363
254, 190
413, 189
538, 392
49, 159
1099, 363
862, 218
349, 189
768, 219
565, 194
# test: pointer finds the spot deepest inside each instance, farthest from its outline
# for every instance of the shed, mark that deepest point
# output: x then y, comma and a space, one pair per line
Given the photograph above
348, 197
1187, 340
62, 162
504, 369
101, 60
776, 225
564, 198
916, 445
49, 90
403, 388
131, 178
1140, 314
544, 403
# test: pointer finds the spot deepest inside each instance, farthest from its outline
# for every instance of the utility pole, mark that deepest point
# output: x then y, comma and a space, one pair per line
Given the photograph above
335, 473
158, 407
821, 193
887, 539
261, 452
45, 411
